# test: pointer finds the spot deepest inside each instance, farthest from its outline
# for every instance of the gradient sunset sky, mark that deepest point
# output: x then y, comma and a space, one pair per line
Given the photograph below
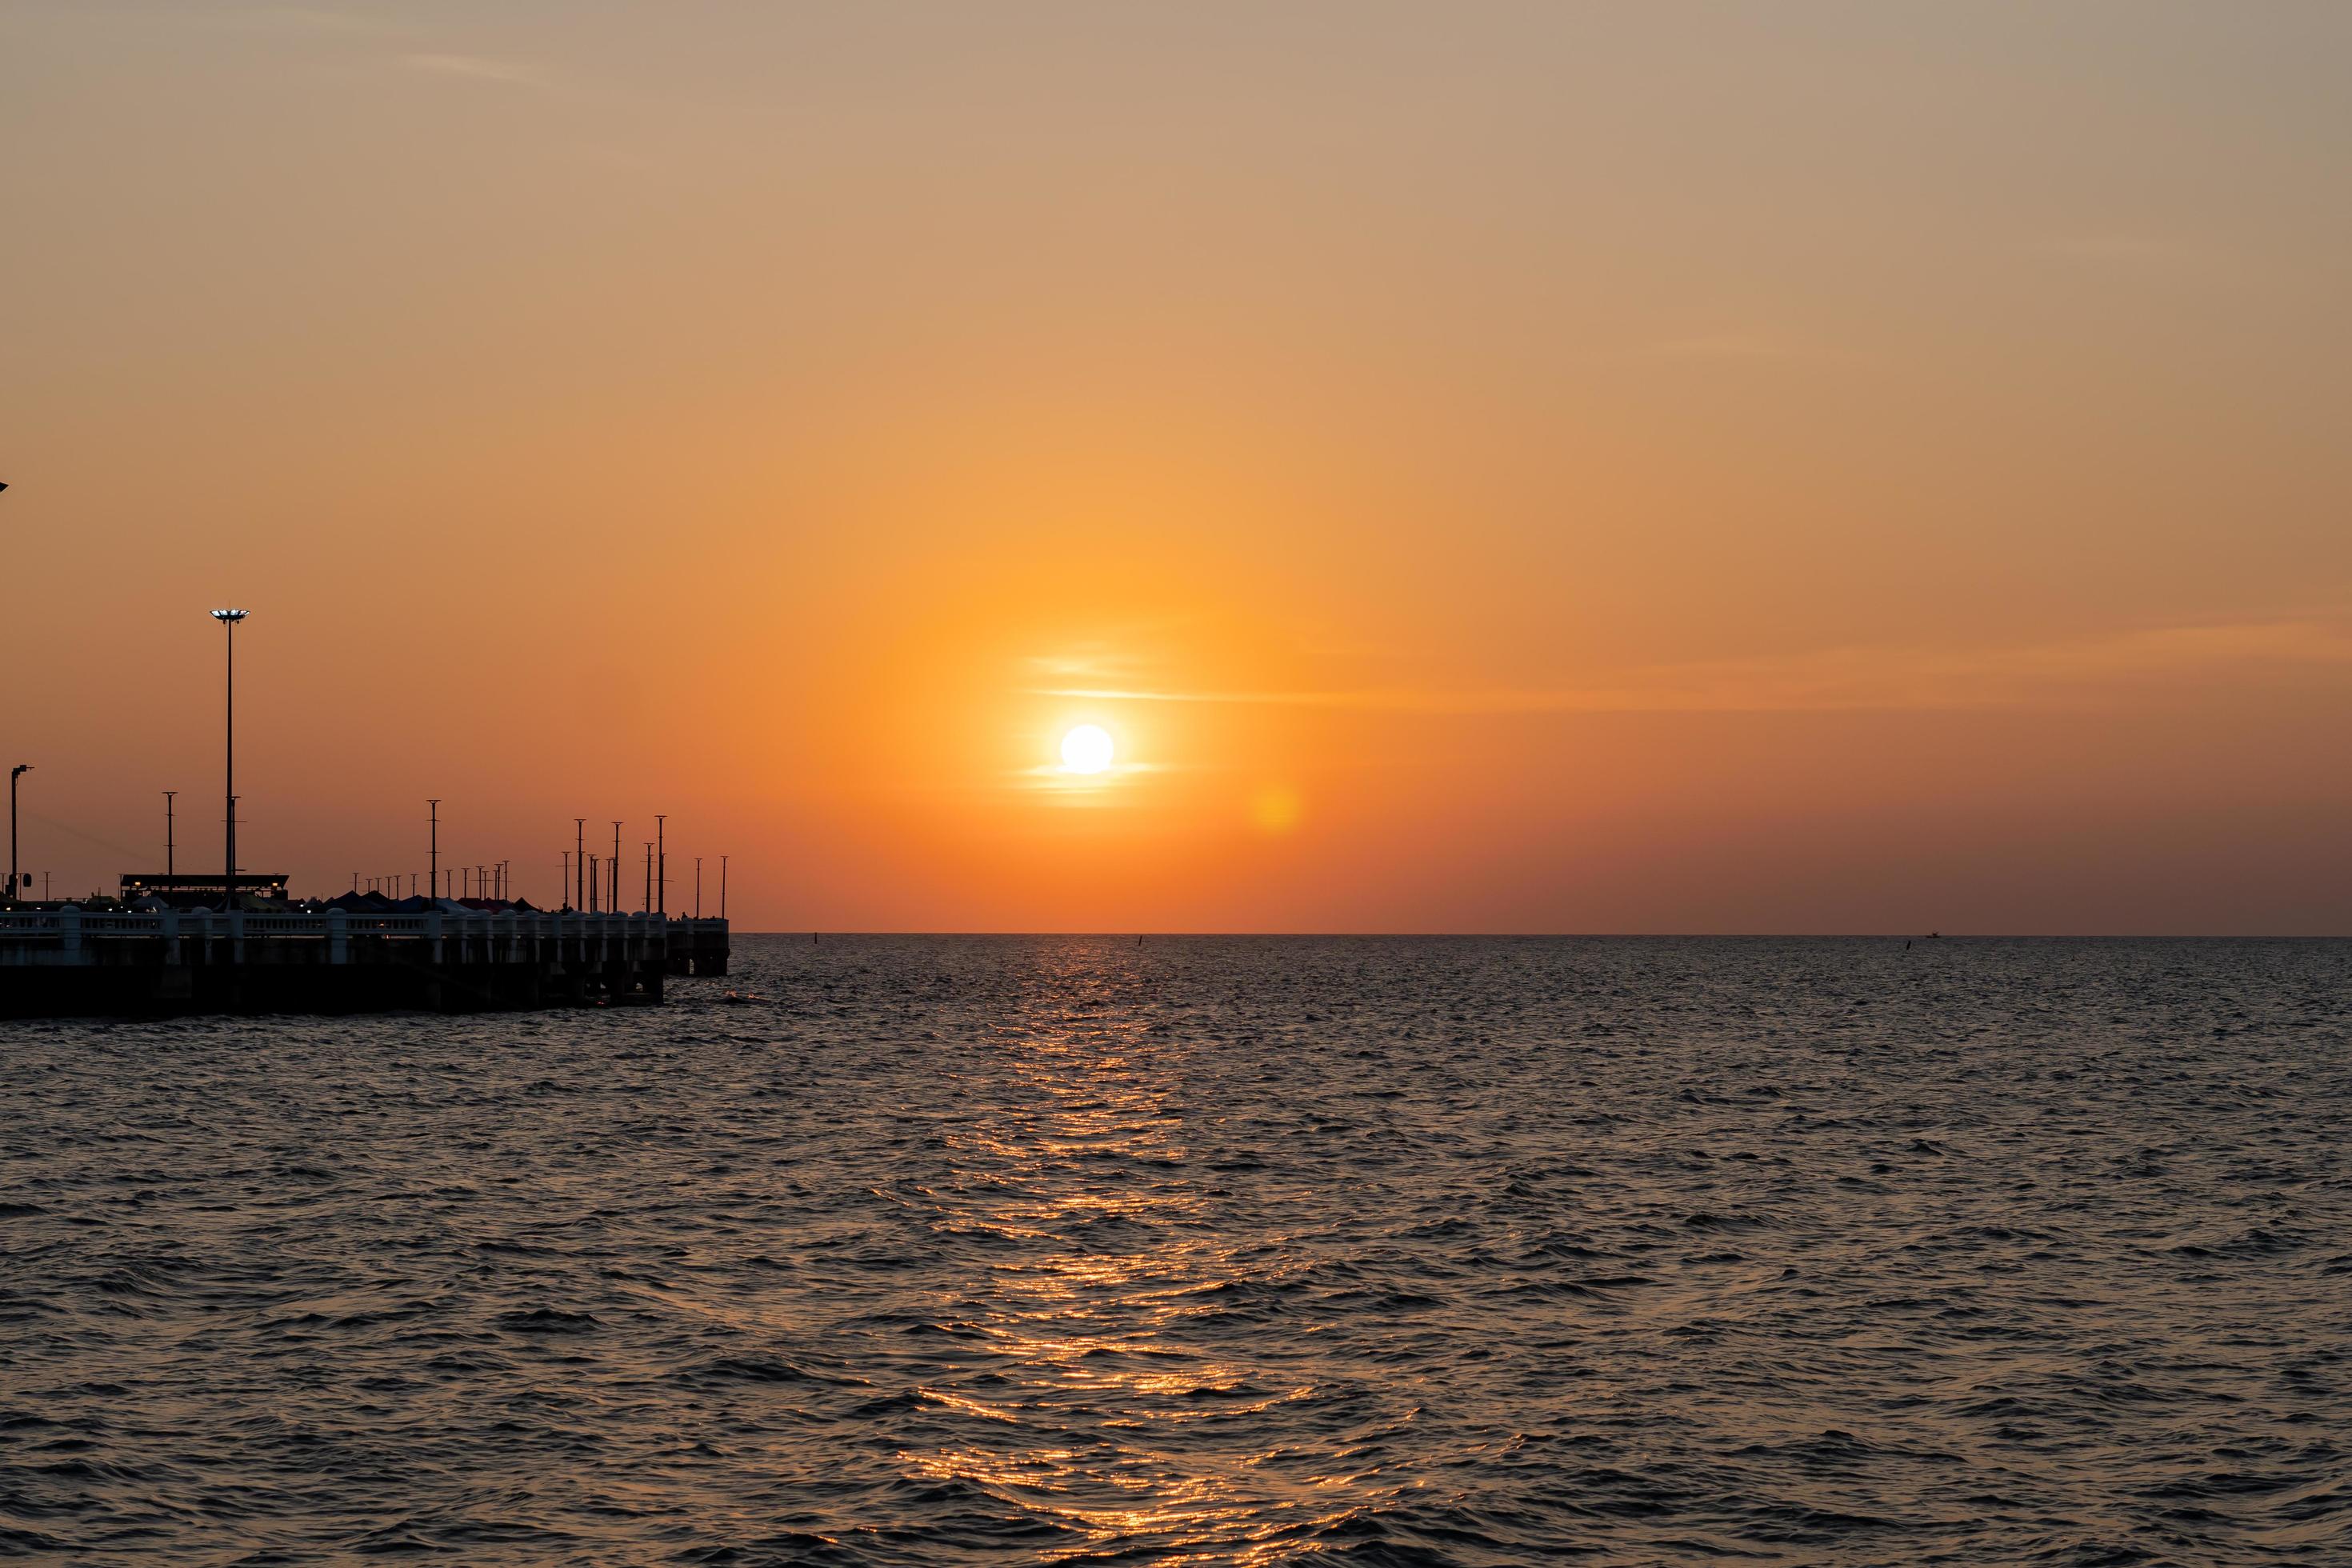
1491, 467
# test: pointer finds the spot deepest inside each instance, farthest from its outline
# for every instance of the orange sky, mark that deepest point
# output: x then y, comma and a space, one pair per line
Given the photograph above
1525, 466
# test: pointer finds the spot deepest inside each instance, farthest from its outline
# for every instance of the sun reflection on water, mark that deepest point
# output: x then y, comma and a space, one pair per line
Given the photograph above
1078, 1161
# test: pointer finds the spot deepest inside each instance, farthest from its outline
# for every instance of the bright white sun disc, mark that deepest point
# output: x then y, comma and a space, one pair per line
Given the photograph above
1087, 749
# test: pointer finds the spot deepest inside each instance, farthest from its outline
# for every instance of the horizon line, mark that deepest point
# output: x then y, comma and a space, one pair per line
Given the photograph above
1583, 936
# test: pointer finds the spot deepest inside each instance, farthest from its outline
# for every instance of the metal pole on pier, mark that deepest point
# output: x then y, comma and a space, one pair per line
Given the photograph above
612, 869
722, 887
230, 619
580, 862
433, 849
648, 905
661, 866
168, 865
697, 887
595, 880
15, 881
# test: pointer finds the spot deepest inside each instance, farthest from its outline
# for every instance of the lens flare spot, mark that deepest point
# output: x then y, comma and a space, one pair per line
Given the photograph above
1276, 809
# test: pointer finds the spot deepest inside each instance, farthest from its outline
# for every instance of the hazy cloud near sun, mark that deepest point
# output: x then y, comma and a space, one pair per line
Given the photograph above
2043, 675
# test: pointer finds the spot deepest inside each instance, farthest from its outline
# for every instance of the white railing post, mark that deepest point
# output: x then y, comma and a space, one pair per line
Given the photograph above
339, 937
171, 935
69, 923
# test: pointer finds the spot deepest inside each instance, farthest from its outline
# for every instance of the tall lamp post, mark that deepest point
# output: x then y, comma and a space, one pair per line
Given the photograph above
15, 882
228, 618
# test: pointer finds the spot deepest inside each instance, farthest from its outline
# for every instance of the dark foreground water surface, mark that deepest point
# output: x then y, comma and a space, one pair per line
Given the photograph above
1063, 1250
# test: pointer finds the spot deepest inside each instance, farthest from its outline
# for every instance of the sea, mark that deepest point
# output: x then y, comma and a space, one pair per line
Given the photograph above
990, 1250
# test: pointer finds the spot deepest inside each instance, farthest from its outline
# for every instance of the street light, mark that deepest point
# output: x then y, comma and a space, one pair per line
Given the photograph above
228, 618
19, 771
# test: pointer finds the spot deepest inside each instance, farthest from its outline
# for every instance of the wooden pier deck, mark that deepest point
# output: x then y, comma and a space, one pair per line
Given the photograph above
70, 962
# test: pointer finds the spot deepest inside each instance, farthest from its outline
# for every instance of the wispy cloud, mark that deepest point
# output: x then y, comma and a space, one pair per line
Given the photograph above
2119, 247
303, 19
478, 68
2120, 253
378, 37
1748, 344
2042, 675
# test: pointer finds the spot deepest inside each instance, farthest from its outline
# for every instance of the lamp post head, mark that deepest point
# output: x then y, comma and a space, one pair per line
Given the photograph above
230, 617
19, 768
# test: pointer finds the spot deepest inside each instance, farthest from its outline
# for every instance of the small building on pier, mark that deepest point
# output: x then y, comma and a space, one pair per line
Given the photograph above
189, 890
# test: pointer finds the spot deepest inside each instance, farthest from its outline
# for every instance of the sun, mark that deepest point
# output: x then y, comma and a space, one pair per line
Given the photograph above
1087, 749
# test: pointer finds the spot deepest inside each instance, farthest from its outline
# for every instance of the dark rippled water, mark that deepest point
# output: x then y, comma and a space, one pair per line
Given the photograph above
1000, 1251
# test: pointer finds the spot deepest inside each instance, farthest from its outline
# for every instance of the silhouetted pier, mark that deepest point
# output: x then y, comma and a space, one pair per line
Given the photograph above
71, 961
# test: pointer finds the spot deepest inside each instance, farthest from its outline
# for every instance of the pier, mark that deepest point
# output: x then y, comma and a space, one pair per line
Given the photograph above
70, 962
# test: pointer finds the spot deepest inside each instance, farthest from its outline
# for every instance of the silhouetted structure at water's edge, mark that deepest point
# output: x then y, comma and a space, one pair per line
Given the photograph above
433, 955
